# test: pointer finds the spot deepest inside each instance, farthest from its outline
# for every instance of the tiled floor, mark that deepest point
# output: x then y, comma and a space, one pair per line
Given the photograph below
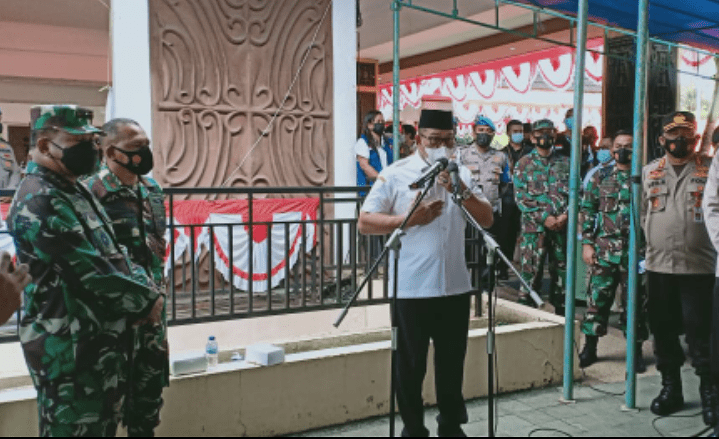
596, 412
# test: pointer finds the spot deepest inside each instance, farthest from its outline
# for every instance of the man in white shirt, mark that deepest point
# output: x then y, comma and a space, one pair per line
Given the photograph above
433, 300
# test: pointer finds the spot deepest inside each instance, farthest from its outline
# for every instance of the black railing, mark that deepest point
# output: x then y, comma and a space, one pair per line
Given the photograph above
321, 275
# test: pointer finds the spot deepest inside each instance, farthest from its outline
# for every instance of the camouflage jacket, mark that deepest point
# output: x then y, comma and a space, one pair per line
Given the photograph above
606, 207
85, 291
145, 241
541, 186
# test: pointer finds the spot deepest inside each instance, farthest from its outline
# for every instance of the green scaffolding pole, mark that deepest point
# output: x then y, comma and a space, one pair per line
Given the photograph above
576, 156
396, 6
640, 94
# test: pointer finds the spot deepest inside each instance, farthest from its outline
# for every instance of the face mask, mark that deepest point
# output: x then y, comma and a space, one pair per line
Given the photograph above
517, 137
484, 140
139, 162
378, 129
679, 147
624, 156
81, 158
546, 141
569, 122
604, 156
434, 154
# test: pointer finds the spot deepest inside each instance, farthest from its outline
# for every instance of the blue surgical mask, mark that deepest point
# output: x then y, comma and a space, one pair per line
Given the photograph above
569, 122
604, 156
517, 137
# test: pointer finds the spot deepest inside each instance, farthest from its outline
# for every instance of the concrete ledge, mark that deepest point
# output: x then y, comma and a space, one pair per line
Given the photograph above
326, 387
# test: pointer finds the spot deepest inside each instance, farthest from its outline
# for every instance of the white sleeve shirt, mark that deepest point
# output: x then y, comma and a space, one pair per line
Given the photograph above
362, 150
432, 261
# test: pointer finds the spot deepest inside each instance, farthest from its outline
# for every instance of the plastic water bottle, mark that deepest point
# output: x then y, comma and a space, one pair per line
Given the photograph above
212, 353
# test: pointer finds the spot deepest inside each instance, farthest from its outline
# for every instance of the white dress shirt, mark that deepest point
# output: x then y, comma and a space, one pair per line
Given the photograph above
432, 262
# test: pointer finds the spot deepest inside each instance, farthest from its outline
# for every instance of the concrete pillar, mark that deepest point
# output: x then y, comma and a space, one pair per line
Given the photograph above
130, 33
344, 21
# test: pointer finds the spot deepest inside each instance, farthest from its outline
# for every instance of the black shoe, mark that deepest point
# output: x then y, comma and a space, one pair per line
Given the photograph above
420, 433
670, 399
708, 394
639, 365
588, 356
454, 431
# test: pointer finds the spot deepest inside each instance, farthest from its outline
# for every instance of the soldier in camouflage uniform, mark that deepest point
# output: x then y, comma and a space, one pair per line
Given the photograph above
541, 184
86, 291
606, 208
490, 172
127, 196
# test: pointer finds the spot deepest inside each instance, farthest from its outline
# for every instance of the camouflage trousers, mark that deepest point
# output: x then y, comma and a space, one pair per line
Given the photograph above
603, 283
533, 249
149, 375
63, 412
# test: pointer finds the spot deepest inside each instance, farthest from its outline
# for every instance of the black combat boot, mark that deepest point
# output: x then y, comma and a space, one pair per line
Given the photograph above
639, 365
670, 399
588, 356
709, 397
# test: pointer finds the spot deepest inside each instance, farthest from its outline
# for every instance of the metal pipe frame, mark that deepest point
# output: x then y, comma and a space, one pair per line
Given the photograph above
535, 34
574, 182
640, 104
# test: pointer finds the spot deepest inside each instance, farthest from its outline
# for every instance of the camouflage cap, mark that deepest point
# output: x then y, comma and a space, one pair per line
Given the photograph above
542, 124
69, 118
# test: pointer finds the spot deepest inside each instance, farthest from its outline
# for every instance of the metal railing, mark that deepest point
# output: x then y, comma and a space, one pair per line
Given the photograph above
323, 276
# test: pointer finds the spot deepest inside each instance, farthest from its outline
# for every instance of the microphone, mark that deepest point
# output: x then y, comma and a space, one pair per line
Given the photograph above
438, 166
453, 170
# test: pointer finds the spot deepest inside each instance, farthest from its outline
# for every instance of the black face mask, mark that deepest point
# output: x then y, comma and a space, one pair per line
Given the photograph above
80, 159
378, 129
679, 147
623, 156
546, 141
145, 163
484, 140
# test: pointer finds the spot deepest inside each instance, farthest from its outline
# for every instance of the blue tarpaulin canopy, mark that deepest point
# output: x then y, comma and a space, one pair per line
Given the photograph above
690, 22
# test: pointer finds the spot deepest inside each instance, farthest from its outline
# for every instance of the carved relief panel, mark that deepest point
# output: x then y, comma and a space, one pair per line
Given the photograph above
221, 70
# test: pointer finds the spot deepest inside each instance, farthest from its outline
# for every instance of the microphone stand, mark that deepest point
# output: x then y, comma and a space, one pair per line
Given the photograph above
394, 243
493, 251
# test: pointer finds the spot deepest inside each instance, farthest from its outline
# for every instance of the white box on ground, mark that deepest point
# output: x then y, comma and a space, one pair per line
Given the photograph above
188, 363
265, 354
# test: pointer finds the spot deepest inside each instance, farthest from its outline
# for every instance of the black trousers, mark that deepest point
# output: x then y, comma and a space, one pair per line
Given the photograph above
445, 320
715, 335
680, 304
497, 231
511, 226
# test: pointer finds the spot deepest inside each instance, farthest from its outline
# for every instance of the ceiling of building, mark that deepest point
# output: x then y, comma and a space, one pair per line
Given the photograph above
422, 32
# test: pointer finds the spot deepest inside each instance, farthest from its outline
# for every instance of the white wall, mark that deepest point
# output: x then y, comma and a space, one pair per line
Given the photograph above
345, 102
130, 30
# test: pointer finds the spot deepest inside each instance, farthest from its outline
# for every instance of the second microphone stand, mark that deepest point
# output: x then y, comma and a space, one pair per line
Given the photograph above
493, 250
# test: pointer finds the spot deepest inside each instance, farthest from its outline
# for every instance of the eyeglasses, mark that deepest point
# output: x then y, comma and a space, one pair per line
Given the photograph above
438, 141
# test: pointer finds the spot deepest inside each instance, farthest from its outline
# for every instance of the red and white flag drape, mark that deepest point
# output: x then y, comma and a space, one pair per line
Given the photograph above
227, 218
482, 81
231, 217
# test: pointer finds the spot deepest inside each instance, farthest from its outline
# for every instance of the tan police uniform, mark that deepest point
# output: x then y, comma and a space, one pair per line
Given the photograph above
672, 216
10, 171
486, 169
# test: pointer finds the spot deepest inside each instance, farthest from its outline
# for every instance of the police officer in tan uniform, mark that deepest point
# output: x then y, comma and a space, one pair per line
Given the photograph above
680, 263
490, 172
9, 170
